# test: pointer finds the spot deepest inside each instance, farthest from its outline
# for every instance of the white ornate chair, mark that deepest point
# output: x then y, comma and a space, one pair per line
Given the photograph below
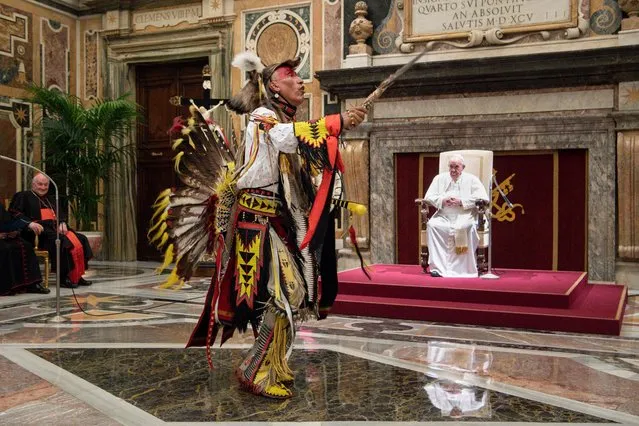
479, 163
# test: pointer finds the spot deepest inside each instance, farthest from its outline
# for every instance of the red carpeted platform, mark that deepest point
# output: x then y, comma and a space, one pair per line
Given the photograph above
542, 300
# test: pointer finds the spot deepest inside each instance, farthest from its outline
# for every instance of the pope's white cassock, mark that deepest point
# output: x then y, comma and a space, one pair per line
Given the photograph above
452, 231
463, 398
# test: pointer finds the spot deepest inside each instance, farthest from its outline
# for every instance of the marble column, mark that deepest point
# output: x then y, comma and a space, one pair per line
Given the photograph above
119, 208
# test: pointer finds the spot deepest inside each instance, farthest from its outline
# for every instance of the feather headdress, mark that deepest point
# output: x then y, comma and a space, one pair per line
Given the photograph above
250, 97
256, 91
248, 61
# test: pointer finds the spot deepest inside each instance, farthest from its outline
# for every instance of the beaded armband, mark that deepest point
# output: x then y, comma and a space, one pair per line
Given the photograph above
312, 137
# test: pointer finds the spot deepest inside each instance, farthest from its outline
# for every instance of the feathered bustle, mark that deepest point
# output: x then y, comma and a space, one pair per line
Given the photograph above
248, 61
185, 219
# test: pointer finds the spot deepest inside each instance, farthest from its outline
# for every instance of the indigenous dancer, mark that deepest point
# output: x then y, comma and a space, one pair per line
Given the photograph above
75, 251
267, 218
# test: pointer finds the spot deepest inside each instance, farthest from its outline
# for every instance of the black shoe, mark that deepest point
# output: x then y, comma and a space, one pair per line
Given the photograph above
38, 288
435, 274
68, 284
82, 281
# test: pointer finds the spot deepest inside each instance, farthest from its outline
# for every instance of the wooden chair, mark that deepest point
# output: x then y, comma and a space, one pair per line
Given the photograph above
480, 164
42, 254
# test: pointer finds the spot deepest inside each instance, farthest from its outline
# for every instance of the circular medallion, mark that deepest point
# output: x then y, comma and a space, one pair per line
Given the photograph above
278, 42
277, 35
606, 20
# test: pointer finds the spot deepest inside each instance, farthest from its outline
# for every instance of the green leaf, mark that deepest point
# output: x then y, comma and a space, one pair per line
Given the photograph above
84, 145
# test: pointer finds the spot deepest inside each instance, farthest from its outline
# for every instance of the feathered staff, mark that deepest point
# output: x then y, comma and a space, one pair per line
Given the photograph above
377, 93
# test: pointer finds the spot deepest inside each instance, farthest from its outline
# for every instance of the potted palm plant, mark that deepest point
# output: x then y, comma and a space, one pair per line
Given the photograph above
80, 146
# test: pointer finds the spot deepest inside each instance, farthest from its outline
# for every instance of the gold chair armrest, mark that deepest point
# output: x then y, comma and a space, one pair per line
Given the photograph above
424, 210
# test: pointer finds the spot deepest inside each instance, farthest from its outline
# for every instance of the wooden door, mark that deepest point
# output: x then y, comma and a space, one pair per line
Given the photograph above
156, 84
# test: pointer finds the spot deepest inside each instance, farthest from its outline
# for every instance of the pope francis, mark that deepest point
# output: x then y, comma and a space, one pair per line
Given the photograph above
452, 233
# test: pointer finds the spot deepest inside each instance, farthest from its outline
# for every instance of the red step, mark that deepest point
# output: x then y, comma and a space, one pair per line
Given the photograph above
557, 289
596, 309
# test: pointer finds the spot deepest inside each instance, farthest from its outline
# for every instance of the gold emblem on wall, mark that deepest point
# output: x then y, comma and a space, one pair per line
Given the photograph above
502, 211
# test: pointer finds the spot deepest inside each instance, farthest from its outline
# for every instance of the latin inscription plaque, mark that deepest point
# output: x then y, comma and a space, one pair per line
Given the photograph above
443, 19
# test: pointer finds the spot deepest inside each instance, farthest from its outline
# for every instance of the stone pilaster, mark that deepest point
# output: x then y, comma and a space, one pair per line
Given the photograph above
628, 185
119, 207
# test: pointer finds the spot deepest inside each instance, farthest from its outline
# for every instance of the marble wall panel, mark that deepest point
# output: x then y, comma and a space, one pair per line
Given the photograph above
591, 130
7, 148
54, 49
91, 67
332, 24
629, 96
16, 50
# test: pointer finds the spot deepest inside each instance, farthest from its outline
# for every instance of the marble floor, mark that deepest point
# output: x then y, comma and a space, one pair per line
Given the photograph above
118, 358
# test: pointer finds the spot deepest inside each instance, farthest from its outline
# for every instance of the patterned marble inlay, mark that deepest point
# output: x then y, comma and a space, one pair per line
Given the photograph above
176, 385
629, 95
54, 40
90, 64
16, 51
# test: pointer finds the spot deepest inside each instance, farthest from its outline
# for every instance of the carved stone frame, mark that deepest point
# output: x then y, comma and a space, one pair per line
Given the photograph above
123, 52
593, 130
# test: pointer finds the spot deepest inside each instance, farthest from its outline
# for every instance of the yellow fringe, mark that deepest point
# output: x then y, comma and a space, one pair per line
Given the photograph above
285, 165
163, 215
161, 196
165, 238
186, 130
160, 207
275, 270
176, 143
177, 159
227, 182
172, 280
191, 143
275, 360
223, 185
168, 258
159, 232
190, 122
